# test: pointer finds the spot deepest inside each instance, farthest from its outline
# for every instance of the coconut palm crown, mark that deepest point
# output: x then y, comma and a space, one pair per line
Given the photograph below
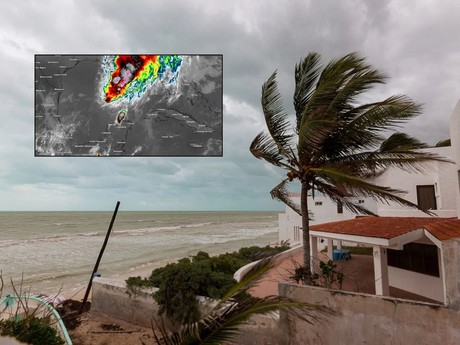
334, 146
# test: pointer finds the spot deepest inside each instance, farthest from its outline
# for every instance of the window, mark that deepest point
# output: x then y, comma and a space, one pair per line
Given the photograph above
318, 203
339, 207
426, 199
417, 257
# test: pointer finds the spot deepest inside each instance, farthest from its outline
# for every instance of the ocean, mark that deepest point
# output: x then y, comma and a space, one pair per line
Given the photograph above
56, 251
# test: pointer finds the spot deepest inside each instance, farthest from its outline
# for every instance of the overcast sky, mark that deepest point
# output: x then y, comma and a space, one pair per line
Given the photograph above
415, 42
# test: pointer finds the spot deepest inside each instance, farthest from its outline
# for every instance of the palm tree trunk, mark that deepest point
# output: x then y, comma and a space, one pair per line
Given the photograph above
305, 233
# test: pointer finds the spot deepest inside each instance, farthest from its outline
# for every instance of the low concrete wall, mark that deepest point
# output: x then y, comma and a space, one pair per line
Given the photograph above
260, 329
110, 297
369, 319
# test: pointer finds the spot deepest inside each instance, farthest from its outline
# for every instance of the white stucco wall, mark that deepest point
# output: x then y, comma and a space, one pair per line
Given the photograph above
326, 212
420, 284
442, 175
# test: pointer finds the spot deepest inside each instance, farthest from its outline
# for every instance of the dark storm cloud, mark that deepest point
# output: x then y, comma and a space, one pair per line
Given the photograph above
413, 42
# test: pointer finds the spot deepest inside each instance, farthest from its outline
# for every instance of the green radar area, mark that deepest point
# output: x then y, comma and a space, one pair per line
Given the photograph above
128, 105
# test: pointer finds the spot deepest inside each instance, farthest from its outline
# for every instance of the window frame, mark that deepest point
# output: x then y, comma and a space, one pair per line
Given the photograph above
420, 200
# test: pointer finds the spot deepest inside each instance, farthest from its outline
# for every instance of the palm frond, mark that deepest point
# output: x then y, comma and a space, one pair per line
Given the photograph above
264, 147
356, 186
362, 129
341, 81
306, 74
275, 115
281, 193
401, 142
312, 135
351, 80
443, 143
338, 195
368, 164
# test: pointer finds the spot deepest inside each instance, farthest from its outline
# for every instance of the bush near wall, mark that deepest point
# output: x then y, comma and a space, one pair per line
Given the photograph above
31, 330
202, 275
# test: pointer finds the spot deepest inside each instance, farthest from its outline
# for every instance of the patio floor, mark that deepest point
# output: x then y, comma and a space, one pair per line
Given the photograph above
358, 276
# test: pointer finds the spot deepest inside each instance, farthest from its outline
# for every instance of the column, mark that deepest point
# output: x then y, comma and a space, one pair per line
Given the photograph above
330, 248
382, 287
314, 261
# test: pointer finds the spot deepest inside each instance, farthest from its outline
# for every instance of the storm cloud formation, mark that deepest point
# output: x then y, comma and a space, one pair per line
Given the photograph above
414, 42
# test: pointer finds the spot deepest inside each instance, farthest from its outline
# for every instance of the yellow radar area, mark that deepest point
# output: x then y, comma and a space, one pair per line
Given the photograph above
120, 117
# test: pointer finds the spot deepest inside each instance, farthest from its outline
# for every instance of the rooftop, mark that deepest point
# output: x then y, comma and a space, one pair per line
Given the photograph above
391, 227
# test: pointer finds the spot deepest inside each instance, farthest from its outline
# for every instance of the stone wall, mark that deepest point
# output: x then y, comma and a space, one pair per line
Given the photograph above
369, 319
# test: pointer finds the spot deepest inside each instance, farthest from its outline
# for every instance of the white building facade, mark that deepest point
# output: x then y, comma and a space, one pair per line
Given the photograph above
411, 251
436, 187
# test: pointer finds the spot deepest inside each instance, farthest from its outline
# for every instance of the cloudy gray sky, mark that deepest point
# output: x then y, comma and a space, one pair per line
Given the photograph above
415, 42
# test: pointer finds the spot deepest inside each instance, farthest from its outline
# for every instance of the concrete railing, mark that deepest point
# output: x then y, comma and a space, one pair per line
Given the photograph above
243, 270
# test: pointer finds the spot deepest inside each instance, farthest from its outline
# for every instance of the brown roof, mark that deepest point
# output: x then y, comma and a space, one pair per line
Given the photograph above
445, 230
390, 227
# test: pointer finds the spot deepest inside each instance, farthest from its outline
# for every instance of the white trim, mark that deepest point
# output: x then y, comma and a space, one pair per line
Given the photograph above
382, 286
351, 238
401, 240
432, 238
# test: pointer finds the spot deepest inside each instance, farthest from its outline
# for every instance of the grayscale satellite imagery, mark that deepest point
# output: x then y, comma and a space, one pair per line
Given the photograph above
128, 105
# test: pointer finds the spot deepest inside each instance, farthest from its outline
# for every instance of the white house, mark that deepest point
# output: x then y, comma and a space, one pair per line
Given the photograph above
412, 250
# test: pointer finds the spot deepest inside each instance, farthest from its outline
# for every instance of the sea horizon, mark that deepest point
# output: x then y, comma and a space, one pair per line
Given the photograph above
51, 249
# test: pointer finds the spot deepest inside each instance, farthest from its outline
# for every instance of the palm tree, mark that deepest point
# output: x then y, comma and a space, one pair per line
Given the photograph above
334, 146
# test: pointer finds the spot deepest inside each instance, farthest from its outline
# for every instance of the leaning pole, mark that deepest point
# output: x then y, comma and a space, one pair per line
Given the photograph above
101, 252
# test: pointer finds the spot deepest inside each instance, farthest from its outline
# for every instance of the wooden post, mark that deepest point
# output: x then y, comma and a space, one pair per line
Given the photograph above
96, 266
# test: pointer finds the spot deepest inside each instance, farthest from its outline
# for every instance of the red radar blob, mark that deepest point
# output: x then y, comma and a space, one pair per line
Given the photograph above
128, 68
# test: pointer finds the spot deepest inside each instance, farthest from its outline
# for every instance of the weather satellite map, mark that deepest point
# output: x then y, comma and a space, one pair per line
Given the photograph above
128, 105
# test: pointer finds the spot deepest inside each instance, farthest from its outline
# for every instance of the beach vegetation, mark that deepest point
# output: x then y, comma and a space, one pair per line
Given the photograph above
326, 275
31, 330
28, 324
200, 275
333, 146
221, 325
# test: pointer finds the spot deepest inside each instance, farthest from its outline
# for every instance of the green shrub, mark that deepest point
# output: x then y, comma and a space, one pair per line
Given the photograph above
255, 253
176, 292
136, 284
202, 275
227, 263
32, 330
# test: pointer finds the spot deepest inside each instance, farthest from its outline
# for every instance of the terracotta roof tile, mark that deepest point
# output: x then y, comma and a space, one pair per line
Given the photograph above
390, 227
445, 230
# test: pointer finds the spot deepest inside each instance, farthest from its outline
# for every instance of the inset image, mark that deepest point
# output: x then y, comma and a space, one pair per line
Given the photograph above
128, 105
